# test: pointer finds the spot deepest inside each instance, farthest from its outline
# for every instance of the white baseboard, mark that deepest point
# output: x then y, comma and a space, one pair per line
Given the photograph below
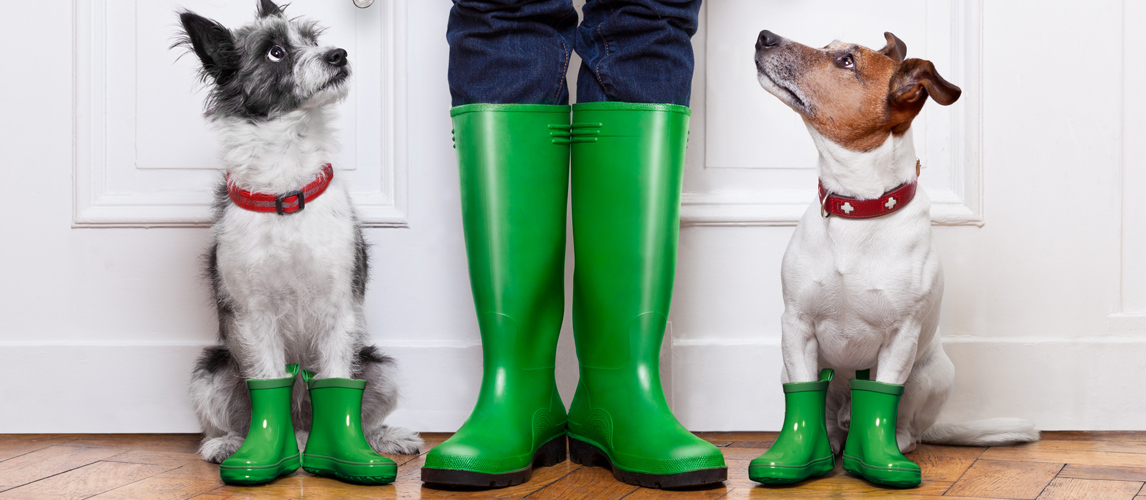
1084, 384
75, 387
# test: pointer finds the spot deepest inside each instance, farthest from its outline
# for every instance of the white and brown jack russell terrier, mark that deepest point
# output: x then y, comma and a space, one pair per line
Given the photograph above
862, 283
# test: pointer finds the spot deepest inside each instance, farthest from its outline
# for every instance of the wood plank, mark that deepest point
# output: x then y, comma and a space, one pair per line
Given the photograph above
737, 436
49, 461
1030, 453
1005, 479
704, 493
742, 453
763, 444
1094, 435
85, 481
160, 457
1088, 489
189, 479
409, 481
302, 485
1109, 473
181, 443
1110, 446
944, 463
763, 493
588, 483
14, 445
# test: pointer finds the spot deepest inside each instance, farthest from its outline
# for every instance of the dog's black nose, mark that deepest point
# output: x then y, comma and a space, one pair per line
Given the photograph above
767, 40
336, 58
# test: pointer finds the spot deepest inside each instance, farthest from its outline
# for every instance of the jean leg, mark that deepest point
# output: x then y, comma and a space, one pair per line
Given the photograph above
510, 51
637, 51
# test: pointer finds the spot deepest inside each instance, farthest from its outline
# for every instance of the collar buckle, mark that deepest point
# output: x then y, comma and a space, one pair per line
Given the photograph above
298, 194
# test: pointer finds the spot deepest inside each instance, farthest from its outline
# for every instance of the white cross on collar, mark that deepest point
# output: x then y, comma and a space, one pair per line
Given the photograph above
847, 208
890, 203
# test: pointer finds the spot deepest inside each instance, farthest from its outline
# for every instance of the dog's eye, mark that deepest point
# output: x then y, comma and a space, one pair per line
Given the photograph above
845, 61
276, 54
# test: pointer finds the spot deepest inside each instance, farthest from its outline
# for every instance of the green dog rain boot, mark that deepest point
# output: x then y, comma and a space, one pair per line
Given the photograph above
513, 161
336, 446
627, 164
802, 450
270, 450
871, 451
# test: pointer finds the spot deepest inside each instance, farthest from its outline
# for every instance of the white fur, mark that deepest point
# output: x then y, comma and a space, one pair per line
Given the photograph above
290, 275
289, 284
863, 294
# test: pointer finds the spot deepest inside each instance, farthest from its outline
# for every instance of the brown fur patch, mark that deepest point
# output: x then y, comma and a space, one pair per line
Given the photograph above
855, 96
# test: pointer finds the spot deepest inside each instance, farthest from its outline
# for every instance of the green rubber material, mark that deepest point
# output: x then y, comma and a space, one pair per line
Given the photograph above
871, 451
627, 169
337, 447
270, 450
513, 162
802, 449
873, 386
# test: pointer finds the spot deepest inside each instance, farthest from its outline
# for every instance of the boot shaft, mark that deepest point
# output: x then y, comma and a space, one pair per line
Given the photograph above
628, 163
513, 162
271, 399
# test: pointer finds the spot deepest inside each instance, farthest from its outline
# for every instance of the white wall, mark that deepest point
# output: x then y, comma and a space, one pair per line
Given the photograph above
1042, 237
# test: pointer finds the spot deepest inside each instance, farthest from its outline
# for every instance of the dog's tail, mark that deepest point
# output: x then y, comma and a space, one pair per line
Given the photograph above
986, 432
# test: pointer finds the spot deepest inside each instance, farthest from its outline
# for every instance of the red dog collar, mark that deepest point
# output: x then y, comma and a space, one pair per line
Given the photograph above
854, 208
287, 203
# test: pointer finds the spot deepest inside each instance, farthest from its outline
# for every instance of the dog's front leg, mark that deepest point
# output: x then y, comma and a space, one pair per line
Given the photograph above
337, 349
898, 356
258, 346
799, 347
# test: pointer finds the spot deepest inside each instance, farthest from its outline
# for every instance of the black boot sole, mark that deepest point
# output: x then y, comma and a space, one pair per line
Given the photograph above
548, 455
583, 453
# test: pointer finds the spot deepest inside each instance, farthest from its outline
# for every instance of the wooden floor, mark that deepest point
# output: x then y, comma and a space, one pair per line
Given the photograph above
1064, 465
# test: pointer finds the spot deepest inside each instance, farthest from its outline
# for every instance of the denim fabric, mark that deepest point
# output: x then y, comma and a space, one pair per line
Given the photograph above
517, 51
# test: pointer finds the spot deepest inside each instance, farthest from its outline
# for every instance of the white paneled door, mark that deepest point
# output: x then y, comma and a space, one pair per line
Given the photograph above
1036, 174
143, 151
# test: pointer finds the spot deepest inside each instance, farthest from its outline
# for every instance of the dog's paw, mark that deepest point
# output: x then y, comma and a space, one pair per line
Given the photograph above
216, 450
906, 442
837, 444
399, 440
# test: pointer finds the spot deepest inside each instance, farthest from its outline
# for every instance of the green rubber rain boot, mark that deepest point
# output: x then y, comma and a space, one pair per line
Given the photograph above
802, 449
514, 166
871, 451
336, 446
270, 449
628, 161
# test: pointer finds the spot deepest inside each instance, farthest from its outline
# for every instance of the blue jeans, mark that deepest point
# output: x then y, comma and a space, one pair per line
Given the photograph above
517, 51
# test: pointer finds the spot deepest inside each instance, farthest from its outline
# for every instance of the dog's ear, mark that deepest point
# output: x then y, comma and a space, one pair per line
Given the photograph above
895, 48
213, 43
915, 80
268, 8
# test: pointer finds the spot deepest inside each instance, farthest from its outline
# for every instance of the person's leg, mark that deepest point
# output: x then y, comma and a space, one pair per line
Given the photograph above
629, 132
510, 51
637, 51
507, 75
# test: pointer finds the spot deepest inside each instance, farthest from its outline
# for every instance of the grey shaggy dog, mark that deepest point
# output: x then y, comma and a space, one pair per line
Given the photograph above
288, 287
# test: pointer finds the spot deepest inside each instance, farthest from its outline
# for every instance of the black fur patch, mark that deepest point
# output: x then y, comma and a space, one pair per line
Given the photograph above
370, 354
361, 264
223, 306
213, 359
268, 8
219, 204
244, 82
213, 43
